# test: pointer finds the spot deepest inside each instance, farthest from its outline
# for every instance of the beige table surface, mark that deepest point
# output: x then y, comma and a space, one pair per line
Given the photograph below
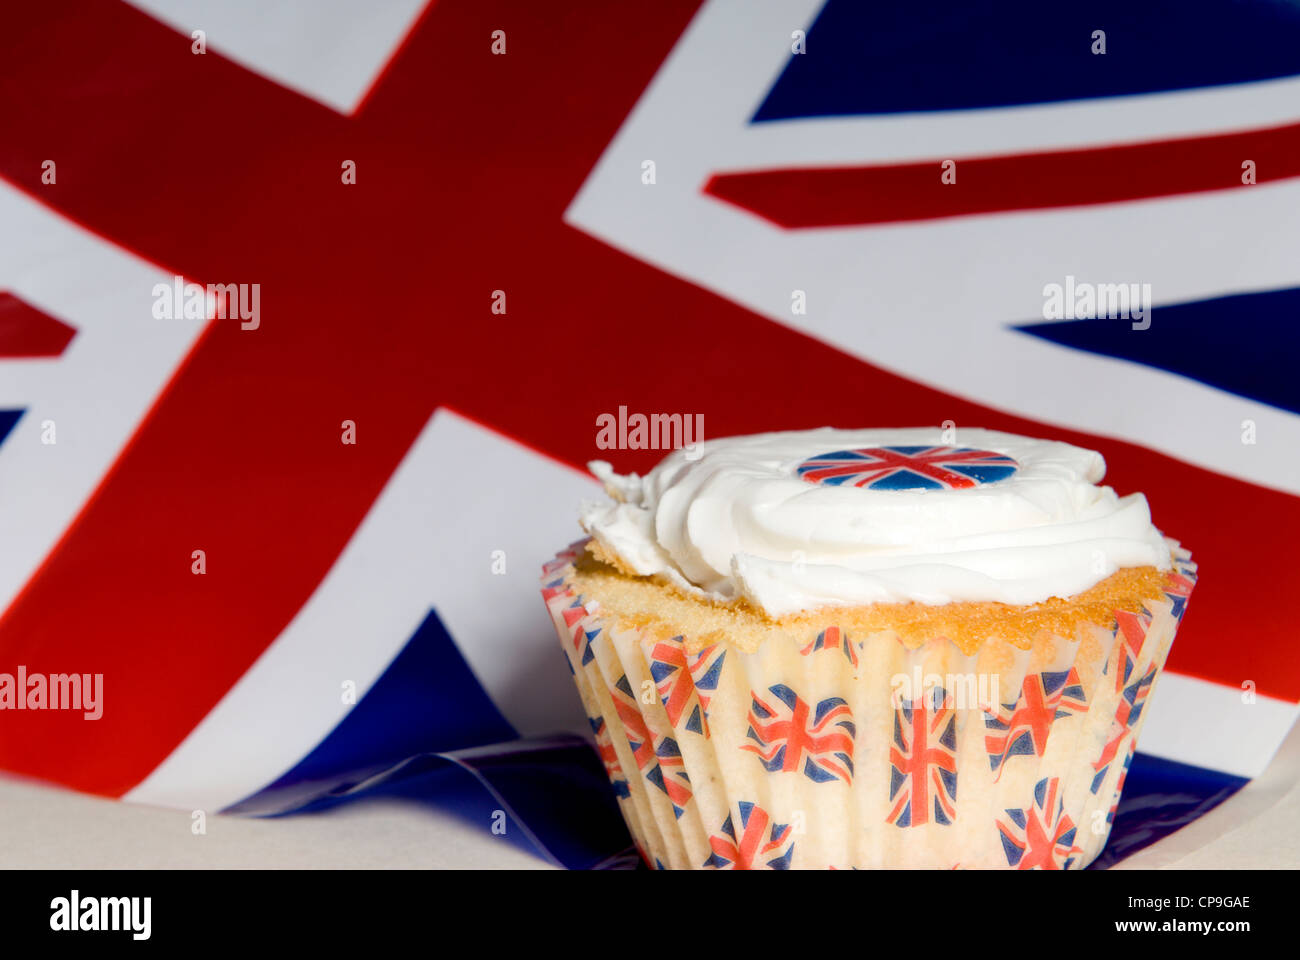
42, 826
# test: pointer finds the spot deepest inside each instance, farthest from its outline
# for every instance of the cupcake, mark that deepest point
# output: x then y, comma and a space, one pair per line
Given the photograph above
868, 648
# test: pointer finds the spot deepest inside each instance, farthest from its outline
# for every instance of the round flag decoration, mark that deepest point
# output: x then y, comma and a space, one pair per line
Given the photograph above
908, 468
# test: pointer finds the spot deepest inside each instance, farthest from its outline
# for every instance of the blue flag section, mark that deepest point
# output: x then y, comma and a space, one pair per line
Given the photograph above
1228, 342
426, 701
8, 420
548, 797
1159, 797
874, 58
406, 739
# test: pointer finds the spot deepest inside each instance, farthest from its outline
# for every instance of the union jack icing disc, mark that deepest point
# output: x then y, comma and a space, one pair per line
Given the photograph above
908, 468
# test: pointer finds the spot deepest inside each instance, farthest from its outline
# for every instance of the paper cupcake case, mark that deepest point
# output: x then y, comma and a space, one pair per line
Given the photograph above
815, 755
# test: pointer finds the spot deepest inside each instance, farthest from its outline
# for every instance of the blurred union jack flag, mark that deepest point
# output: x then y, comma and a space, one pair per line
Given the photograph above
914, 204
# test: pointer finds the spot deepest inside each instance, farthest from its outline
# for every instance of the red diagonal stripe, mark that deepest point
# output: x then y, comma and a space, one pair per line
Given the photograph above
892, 193
28, 332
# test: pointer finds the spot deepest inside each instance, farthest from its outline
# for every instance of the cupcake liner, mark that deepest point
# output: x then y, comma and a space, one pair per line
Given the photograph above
859, 752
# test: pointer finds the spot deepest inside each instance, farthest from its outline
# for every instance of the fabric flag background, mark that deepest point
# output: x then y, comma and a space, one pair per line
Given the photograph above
405, 564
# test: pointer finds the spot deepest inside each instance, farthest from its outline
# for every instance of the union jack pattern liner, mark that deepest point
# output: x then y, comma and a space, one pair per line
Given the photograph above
608, 756
833, 638
706, 671
721, 758
1021, 727
1040, 836
670, 667
790, 735
759, 842
923, 761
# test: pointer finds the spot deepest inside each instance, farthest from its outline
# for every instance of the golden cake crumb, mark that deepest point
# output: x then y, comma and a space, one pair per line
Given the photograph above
664, 611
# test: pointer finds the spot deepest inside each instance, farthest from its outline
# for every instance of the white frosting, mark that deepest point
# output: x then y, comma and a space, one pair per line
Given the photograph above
737, 521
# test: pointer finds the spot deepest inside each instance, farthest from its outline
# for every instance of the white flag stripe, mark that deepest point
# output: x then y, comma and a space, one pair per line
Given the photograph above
330, 50
491, 494
1210, 725
90, 400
